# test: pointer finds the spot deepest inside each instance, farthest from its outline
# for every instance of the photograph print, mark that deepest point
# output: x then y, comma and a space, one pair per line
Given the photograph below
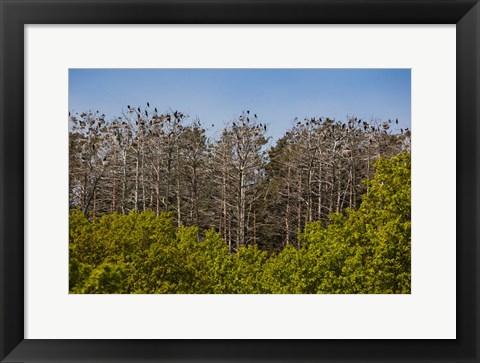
239, 181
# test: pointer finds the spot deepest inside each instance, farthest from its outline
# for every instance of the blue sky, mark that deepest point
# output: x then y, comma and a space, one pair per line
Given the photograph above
277, 96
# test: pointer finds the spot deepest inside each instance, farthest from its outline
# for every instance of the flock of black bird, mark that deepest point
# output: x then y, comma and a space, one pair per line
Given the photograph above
307, 121
100, 121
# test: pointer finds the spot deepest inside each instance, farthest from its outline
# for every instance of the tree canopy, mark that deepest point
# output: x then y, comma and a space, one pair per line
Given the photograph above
251, 189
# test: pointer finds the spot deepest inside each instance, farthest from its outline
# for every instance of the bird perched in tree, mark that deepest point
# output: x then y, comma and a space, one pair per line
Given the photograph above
138, 109
396, 121
156, 110
148, 104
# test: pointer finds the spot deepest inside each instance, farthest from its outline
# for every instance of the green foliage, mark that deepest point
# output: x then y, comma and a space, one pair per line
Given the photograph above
364, 251
107, 278
368, 251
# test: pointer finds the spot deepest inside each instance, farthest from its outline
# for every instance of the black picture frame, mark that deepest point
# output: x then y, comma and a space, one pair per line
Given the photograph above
17, 13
